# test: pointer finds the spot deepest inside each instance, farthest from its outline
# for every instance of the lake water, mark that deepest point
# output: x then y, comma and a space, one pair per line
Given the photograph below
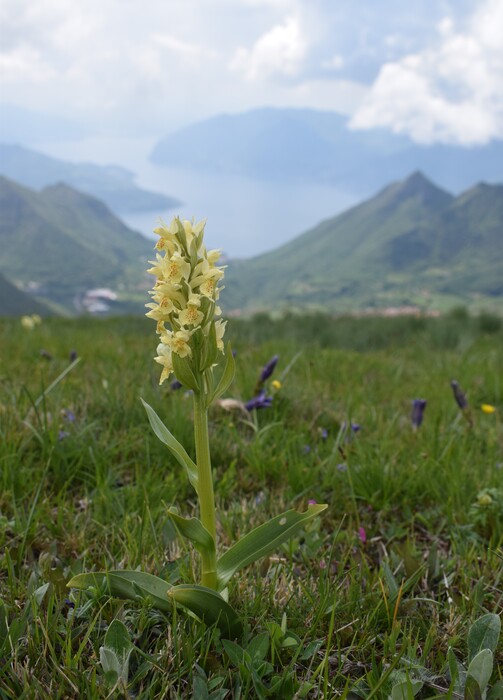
245, 217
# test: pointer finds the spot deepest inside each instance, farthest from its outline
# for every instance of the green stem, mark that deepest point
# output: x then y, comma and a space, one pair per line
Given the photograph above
205, 487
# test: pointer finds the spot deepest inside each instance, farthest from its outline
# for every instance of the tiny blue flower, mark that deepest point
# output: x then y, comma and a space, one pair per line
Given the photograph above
259, 401
418, 406
268, 369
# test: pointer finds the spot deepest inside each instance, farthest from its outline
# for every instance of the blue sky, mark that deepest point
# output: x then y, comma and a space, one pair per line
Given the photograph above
431, 69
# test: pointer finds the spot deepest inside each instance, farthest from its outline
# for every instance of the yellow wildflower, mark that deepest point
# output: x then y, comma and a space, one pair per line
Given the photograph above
178, 342
276, 384
484, 499
164, 358
191, 316
28, 323
220, 330
487, 408
161, 311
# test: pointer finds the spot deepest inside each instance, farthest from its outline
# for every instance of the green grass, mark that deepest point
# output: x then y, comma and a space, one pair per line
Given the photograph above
330, 615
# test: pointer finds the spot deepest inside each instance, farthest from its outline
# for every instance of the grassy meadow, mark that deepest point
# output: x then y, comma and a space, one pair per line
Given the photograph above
372, 594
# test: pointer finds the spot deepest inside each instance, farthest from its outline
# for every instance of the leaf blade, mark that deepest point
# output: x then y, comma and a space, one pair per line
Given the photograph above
132, 585
176, 448
263, 540
209, 606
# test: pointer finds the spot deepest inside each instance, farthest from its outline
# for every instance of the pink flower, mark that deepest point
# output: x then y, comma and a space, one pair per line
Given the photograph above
362, 535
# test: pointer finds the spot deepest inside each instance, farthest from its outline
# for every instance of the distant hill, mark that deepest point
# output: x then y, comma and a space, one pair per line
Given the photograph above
65, 242
411, 244
14, 302
309, 146
112, 184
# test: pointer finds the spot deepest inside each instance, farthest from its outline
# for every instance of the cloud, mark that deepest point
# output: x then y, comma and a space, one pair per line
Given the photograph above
280, 51
451, 92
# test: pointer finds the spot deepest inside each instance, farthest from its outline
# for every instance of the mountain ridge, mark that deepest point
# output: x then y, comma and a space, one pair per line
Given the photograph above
112, 183
410, 243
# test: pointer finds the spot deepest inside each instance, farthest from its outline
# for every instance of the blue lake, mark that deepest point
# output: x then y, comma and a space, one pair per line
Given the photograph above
245, 217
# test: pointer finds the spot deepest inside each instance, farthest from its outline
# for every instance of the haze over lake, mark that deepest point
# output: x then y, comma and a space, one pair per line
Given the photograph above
245, 216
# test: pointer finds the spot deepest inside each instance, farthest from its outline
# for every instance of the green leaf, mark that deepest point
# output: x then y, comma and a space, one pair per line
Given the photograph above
193, 530
227, 375
209, 606
184, 373
472, 690
258, 647
484, 634
115, 653
481, 668
117, 638
263, 540
176, 449
132, 585
406, 689
496, 692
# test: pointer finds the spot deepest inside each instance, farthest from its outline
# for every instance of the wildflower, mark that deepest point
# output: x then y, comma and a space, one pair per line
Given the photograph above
191, 316
73, 355
484, 499
175, 385
27, 323
307, 449
459, 395
45, 354
259, 401
68, 415
184, 298
312, 502
276, 384
342, 467
418, 406
37, 320
323, 433
487, 408
362, 535
62, 435
269, 368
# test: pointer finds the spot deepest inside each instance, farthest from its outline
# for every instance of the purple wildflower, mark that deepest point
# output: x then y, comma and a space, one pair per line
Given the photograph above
68, 415
268, 369
355, 427
62, 435
312, 502
459, 395
45, 354
175, 385
323, 433
418, 406
307, 449
259, 401
362, 535
342, 467
73, 355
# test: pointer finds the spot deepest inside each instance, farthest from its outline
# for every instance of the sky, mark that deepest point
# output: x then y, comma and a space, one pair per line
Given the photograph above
430, 69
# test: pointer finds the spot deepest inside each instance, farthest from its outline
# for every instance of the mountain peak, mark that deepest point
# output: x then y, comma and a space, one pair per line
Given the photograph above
418, 187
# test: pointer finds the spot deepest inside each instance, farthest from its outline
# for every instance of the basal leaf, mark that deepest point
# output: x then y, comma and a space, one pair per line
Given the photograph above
209, 606
483, 634
263, 540
176, 449
132, 585
117, 638
481, 668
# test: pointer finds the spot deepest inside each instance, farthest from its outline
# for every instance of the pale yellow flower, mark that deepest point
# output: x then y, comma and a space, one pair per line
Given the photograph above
484, 499
27, 323
220, 330
36, 319
161, 311
178, 342
487, 408
191, 316
165, 359
276, 384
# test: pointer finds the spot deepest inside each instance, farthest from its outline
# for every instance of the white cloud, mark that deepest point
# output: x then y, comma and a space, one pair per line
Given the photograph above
451, 92
280, 51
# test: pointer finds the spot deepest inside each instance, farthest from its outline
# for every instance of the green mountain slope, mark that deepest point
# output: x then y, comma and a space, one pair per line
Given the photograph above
66, 242
413, 243
112, 184
14, 302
